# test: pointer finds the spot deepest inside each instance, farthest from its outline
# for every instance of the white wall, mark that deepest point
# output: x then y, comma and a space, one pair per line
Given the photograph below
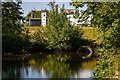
70, 16
43, 19
75, 21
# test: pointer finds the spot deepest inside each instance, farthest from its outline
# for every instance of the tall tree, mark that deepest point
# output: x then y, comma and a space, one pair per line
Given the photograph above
11, 26
60, 35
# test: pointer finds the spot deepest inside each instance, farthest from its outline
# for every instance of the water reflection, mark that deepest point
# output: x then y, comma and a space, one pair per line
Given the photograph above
51, 66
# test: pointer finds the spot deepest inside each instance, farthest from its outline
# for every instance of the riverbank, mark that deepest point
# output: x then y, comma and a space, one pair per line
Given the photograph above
73, 55
89, 33
50, 66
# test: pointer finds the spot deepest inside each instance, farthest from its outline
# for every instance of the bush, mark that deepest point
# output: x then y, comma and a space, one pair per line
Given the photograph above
67, 38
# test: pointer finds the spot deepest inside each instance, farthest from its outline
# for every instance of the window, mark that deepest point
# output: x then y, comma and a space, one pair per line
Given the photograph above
43, 15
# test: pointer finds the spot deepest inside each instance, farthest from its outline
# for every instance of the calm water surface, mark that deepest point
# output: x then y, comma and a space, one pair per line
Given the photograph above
48, 66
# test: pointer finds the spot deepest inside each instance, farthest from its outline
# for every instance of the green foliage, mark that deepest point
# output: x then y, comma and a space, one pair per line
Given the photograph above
38, 42
60, 35
77, 14
105, 68
66, 38
105, 16
37, 14
13, 37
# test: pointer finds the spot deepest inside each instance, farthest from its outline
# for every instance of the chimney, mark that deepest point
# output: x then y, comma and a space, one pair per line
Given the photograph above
32, 14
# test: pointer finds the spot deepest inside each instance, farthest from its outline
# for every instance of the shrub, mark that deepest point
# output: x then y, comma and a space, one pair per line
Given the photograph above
67, 38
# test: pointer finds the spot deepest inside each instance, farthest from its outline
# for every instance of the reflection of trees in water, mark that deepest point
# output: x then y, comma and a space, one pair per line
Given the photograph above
11, 70
84, 68
57, 65
54, 66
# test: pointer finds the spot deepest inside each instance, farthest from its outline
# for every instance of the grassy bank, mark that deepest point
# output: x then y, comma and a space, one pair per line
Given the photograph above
89, 33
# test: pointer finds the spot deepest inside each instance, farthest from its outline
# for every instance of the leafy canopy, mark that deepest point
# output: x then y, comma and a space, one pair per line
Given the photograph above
12, 34
105, 16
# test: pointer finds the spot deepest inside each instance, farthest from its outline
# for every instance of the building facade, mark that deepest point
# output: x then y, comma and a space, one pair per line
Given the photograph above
38, 21
43, 19
70, 15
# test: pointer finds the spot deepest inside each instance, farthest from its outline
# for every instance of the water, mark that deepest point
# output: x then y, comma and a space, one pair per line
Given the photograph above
48, 66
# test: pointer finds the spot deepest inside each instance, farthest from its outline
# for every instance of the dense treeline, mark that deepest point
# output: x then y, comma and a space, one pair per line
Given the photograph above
13, 38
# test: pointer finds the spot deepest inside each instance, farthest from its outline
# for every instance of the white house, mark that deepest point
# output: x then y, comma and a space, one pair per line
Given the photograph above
73, 20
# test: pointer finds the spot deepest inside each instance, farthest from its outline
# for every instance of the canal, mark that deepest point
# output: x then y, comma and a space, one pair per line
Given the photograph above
48, 66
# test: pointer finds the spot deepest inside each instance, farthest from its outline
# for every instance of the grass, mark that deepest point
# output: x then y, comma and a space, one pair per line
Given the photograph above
89, 33
32, 29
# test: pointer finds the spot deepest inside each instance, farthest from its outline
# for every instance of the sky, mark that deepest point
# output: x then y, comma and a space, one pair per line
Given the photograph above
28, 6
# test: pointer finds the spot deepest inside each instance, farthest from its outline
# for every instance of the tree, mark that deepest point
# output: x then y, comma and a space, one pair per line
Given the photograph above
105, 16
77, 14
12, 33
60, 35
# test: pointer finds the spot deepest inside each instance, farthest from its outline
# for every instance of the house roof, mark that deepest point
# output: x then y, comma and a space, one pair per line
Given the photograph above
70, 11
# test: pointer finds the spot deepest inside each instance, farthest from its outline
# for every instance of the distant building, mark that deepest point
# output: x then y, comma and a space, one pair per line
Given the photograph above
70, 11
43, 19
73, 20
34, 21
38, 21
70, 15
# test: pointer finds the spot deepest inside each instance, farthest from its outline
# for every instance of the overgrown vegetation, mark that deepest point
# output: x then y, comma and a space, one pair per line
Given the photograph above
105, 16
